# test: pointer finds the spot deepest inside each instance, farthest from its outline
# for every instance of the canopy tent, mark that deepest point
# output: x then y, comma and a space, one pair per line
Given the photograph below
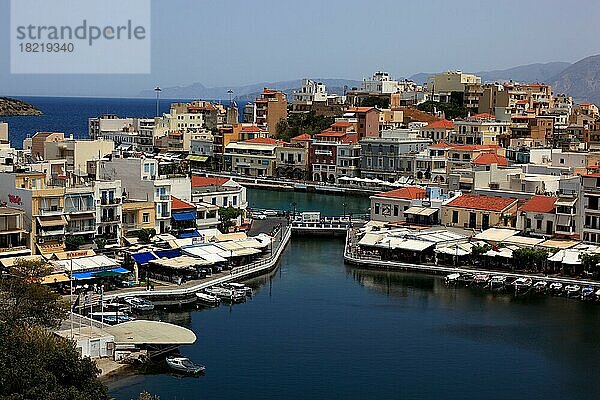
87, 263
425, 211
80, 276
143, 258
195, 158
184, 216
460, 250
55, 278
504, 252
181, 262
566, 256
190, 234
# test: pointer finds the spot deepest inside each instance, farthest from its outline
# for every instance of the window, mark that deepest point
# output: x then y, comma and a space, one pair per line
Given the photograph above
224, 201
145, 218
376, 208
214, 201
528, 223
538, 224
395, 210
234, 202
455, 217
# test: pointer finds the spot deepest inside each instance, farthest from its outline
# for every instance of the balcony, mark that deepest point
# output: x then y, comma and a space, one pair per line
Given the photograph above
50, 211
165, 197
110, 202
52, 232
78, 210
81, 230
109, 219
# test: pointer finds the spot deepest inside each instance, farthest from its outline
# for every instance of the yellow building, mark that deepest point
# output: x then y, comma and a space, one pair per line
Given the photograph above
452, 81
138, 215
477, 212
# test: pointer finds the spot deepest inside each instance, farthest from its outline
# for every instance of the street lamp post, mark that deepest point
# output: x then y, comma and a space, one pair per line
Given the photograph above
157, 90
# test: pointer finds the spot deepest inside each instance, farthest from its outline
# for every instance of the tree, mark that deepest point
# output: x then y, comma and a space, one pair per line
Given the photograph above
36, 363
590, 262
375, 101
299, 123
73, 242
530, 259
145, 235
451, 110
226, 216
101, 243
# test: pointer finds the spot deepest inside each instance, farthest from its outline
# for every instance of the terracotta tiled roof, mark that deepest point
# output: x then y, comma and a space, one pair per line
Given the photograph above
540, 204
486, 203
594, 175
201, 181
414, 115
441, 124
304, 136
489, 159
483, 116
360, 109
440, 145
178, 204
473, 147
251, 128
407, 193
328, 133
262, 140
342, 124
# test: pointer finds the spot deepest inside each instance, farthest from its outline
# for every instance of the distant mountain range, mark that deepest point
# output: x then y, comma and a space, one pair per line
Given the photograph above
246, 92
580, 80
524, 73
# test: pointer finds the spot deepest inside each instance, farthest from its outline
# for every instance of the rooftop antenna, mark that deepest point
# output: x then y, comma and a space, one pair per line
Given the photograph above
157, 90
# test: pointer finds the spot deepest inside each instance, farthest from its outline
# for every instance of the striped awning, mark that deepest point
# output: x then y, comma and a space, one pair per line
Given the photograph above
196, 158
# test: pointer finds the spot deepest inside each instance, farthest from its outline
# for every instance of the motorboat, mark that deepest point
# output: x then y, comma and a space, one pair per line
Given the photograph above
572, 290
139, 304
238, 286
111, 317
587, 293
229, 295
208, 299
555, 287
481, 280
452, 278
185, 365
497, 282
465, 279
115, 306
540, 286
522, 285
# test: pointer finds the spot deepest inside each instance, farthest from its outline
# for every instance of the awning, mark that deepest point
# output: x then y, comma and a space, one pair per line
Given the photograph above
191, 234
425, 211
565, 202
185, 216
55, 278
52, 220
196, 158
87, 215
143, 258
167, 253
81, 276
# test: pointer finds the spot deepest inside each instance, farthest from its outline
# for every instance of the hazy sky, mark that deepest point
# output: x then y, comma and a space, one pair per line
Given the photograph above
226, 42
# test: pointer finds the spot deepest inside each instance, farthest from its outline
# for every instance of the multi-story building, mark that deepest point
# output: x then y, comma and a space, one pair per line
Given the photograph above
477, 212
390, 206
443, 84
135, 134
271, 108
254, 157
591, 207
367, 120
14, 238
138, 215
308, 94
392, 155
479, 129
109, 210
291, 161
438, 130
80, 212
210, 193
334, 153
77, 152
38, 143
431, 164
537, 216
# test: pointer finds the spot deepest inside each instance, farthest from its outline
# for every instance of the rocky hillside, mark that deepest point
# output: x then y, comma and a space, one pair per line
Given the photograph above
12, 107
580, 80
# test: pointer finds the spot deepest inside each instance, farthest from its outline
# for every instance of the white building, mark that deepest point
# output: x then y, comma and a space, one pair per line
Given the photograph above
310, 92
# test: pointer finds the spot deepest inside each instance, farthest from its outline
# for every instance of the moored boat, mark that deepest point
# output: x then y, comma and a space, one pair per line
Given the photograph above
481, 280
184, 365
139, 304
233, 296
238, 286
465, 279
587, 293
522, 285
540, 286
555, 287
497, 282
573, 290
452, 279
111, 317
208, 299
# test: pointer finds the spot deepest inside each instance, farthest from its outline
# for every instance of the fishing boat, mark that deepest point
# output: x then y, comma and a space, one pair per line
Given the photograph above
115, 306
139, 304
111, 317
452, 278
184, 365
540, 286
522, 285
481, 280
208, 299
555, 287
465, 279
573, 290
497, 282
238, 286
587, 293
228, 295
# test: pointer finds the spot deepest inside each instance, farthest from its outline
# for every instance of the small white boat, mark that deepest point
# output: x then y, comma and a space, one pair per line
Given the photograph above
233, 296
185, 365
587, 293
139, 304
481, 280
208, 299
540, 286
111, 317
497, 282
452, 278
555, 287
238, 286
572, 290
522, 285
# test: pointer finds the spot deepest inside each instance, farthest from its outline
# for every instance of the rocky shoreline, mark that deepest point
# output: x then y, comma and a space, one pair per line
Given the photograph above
13, 107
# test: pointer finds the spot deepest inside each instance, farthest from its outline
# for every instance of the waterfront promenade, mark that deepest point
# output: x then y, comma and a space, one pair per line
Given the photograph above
238, 273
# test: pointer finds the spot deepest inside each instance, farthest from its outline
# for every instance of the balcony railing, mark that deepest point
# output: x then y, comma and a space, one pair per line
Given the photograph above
114, 218
51, 211
74, 210
110, 202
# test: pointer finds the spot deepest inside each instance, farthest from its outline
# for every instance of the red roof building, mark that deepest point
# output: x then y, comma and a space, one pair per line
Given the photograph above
539, 204
484, 203
441, 124
178, 204
203, 181
489, 159
406, 193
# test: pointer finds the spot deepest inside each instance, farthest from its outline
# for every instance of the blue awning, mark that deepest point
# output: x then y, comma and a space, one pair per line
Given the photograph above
191, 234
81, 276
185, 216
143, 258
167, 253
